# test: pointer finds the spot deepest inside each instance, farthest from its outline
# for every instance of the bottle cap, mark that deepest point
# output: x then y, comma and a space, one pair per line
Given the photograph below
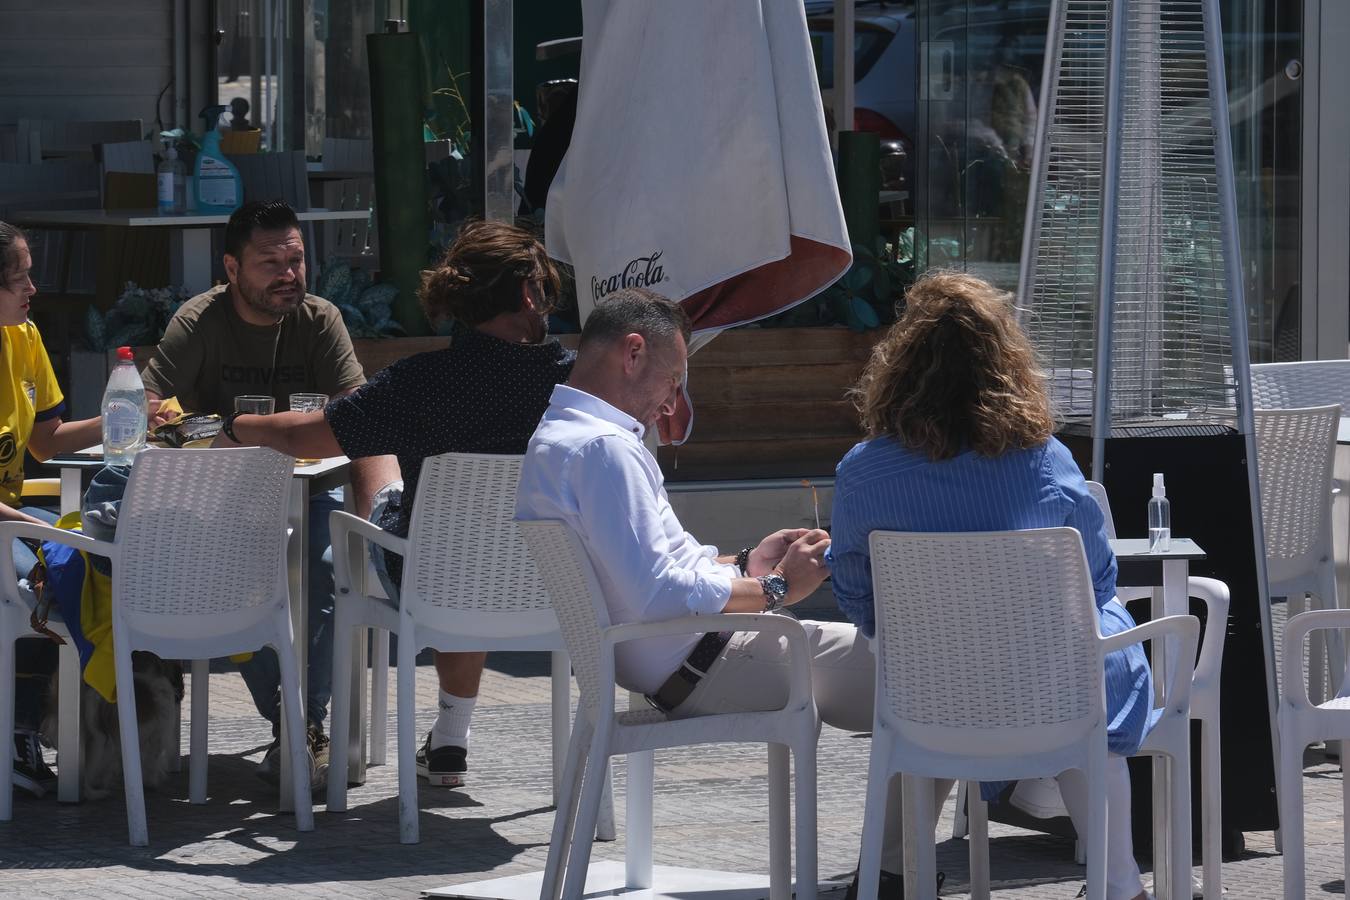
1158, 489
125, 354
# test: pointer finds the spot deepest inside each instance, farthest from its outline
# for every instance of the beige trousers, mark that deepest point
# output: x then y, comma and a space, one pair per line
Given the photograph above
751, 675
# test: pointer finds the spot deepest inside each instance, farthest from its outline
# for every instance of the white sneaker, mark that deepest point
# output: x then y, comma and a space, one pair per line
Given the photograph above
1038, 797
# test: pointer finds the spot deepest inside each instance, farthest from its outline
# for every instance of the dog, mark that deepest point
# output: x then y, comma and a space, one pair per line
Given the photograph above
159, 693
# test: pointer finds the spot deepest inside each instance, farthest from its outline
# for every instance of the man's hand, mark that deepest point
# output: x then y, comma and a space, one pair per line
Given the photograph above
771, 551
803, 565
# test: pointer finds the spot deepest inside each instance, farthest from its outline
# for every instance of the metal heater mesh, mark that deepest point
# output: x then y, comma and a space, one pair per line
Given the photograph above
1170, 344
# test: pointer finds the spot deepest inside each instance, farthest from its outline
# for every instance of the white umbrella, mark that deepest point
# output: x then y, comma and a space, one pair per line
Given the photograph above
699, 165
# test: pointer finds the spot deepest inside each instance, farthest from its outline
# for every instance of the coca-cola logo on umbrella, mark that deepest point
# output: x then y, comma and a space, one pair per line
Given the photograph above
643, 272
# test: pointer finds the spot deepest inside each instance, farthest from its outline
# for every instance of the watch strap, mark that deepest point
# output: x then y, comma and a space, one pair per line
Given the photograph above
227, 426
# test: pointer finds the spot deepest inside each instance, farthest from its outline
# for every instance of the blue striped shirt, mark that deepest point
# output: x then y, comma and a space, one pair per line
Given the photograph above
880, 484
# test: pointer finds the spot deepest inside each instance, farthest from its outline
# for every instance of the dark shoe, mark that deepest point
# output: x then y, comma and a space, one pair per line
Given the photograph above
446, 766
30, 769
890, 886
269, 769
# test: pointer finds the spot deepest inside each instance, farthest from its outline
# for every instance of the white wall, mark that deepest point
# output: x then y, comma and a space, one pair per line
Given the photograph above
86, 59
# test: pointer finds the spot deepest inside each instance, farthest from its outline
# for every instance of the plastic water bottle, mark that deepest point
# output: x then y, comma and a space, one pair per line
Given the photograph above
125, 412
1159, 518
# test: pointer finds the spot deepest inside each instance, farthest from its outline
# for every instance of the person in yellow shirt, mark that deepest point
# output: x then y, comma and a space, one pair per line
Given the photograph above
31, 408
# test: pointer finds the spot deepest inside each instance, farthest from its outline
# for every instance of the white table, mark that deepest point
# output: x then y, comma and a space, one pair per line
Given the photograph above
190, 254
309, 480
1167, 573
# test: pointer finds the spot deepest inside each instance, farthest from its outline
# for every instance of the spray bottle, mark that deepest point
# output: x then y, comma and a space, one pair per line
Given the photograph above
1159, 518
219, 189
172, 182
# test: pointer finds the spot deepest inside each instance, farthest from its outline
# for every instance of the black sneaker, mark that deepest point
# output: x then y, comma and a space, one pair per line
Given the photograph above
269, 769
445, 766
891, 886
30, 769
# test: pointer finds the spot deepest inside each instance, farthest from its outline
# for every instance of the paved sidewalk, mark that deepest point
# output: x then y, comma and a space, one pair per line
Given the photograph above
710, 810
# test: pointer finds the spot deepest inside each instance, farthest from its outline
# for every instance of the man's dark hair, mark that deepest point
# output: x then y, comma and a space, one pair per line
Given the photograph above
265, 215
635, 311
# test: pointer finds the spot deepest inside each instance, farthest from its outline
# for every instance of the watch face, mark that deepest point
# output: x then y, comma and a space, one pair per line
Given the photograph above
777, 585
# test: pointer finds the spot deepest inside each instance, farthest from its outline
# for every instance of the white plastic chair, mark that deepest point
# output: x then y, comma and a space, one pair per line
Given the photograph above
1302, 722
468, 585
1204, 704
220, 515
1027, 700
1291, 385
600, 732
1295, 452
14, 626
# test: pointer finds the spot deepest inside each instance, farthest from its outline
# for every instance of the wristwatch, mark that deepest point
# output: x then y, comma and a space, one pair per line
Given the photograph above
775, 591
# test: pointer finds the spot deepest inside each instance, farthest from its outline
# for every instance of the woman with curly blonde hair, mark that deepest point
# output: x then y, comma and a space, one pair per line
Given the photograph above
959, 438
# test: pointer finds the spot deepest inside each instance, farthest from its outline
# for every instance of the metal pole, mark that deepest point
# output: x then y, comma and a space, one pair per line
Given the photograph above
499, 183
1031, 228
1106, 278
843, 93
1237, 323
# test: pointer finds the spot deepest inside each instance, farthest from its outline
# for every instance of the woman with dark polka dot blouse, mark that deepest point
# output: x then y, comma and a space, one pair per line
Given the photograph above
485, 393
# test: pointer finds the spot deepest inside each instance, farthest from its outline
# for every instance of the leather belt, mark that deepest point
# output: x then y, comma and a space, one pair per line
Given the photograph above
680, 685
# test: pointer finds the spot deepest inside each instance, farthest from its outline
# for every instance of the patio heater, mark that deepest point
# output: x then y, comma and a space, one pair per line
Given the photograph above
1131, 290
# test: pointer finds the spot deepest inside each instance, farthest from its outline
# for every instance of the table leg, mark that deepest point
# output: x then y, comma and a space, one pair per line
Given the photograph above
296, 563
190, 258
70, 490
1172, 600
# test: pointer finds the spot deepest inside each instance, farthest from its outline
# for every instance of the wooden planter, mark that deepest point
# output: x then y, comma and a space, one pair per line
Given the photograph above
770, 403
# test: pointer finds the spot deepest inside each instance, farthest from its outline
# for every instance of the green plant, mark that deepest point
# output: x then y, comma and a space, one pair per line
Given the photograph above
138, 318
366, 306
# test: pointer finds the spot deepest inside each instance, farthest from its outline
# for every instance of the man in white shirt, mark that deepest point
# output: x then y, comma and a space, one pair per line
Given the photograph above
587, 465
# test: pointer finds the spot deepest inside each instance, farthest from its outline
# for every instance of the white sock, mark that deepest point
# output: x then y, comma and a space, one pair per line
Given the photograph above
452, 724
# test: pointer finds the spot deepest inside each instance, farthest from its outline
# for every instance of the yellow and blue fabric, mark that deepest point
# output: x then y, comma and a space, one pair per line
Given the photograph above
28, 393
84, 596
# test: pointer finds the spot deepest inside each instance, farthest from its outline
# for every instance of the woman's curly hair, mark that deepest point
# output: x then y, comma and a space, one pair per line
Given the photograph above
482, 271
955, 373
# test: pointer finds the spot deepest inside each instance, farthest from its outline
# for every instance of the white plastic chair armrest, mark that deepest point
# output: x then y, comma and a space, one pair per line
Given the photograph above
1293, 680
799, 684
1214, 594
1216, 598
343, 524
9, 531
1186, 629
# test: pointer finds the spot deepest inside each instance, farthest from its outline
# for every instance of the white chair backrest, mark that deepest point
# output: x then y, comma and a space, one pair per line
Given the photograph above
202, 533
1295, 455
577, 600
468, 569
349, 155
986, 642
1301, 384
1098, 492
137, 157
40, 139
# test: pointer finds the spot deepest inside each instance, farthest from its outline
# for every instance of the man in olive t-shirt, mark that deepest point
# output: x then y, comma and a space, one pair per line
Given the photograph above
262, 334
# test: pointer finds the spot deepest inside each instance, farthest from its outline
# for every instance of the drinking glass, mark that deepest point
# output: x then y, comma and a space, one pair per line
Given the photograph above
255, 404
307, 403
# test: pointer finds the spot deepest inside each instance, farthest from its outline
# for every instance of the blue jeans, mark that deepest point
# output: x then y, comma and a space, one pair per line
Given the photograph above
262, 673
34, 659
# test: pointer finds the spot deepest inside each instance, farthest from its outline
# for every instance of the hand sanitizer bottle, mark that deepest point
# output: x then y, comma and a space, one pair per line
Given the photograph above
1159, 518
171, 180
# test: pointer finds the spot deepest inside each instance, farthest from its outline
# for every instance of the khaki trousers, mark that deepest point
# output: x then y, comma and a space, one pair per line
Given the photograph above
751, 675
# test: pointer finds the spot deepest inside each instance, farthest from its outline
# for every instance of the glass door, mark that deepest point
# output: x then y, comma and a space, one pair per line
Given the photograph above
979, 71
